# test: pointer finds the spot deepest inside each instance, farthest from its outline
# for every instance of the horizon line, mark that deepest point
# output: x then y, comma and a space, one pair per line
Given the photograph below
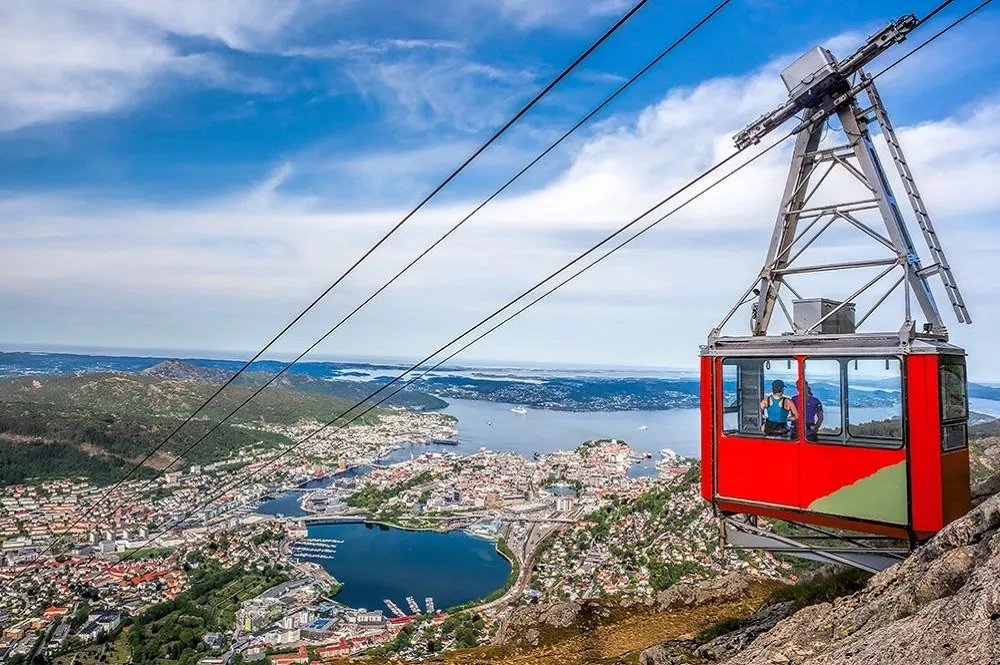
238, 356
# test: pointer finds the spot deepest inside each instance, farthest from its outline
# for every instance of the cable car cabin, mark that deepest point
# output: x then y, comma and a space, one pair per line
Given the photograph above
880, 446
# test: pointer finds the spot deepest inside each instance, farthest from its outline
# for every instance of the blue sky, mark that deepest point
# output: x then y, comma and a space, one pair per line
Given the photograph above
186, 174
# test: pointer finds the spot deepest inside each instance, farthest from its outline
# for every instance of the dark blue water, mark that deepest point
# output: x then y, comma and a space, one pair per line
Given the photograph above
375, 562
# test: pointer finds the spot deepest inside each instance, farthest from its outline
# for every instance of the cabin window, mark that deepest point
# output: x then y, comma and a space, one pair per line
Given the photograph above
954, 403
730, 397
954, 394
745, 384
874, 399
822, 412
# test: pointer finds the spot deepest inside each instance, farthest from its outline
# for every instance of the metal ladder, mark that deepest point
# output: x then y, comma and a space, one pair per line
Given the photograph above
940, 265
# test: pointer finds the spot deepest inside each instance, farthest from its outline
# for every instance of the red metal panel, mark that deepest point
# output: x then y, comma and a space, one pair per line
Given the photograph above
924, 429
708, 408
764, 470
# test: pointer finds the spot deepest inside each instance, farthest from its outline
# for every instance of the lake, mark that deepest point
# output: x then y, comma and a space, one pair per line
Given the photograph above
374, 563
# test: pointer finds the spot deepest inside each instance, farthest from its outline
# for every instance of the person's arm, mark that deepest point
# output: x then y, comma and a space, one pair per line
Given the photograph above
819, 414
792, 408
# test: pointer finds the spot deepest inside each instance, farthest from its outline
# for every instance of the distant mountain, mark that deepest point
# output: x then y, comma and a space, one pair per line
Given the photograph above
573, 394
583, 390
329, 379
178, 370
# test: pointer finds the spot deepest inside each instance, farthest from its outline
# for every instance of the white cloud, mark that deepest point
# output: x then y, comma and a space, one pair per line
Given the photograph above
61, 59
220, 274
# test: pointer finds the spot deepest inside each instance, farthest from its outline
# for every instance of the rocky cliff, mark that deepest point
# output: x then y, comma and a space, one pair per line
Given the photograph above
939, 606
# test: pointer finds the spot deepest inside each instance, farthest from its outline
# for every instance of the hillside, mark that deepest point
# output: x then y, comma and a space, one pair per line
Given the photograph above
39, 441
941, 605
99, 425
122, 394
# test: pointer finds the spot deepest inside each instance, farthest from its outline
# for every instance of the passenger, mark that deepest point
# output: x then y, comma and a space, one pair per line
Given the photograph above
777, 410
812, 414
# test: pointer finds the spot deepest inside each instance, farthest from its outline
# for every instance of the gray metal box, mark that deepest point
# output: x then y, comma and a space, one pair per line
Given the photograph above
805, 313
809, 69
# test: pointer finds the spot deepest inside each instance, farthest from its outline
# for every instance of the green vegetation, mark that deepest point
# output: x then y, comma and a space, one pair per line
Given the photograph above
720, 628
268, 534
47, 441
142, 395
154, 553
25, 461
811, 592
403, 641
464, 628
372, 498
821, 590
173, 631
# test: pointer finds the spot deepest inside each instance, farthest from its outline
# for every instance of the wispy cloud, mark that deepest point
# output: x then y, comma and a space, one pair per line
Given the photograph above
425, 91
555, 13
346, 48
61, 59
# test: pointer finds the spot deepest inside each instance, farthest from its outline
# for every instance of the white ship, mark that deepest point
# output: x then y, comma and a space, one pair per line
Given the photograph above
519, 410
643, 427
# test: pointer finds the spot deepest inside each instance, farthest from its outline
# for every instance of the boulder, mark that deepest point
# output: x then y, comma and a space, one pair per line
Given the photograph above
733, 586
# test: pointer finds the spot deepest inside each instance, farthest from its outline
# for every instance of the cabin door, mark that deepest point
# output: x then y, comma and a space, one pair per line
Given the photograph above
753, 465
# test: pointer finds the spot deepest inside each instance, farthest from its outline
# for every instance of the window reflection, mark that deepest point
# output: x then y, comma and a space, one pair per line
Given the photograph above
954, 398
874, 398
748, 389
820, 406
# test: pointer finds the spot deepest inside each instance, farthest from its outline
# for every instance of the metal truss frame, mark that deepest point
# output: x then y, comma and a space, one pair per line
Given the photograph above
854, 551
800, 224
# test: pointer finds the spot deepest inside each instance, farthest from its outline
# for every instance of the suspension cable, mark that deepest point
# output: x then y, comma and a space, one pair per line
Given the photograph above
482, 148
819, 118
597, 109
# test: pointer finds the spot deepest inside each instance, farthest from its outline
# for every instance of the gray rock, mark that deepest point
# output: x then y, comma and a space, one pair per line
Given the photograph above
687, 594
759, 622
939, 606
671, 652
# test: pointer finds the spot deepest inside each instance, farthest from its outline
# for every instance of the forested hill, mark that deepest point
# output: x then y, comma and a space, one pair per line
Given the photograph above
99, 425
126, 393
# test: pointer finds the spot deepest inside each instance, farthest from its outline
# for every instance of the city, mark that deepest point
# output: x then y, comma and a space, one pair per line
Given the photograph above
76, 582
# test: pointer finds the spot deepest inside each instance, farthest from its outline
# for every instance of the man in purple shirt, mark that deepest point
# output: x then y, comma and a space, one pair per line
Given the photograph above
812, 413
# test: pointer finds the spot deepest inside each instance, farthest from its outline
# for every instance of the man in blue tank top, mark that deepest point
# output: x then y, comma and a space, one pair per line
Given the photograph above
777, 410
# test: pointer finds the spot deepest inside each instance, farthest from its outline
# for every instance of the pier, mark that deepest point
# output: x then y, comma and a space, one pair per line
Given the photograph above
394, 608
413, 604
429, 603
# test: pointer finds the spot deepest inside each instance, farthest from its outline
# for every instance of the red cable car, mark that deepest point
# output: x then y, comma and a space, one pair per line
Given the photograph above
824, 424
